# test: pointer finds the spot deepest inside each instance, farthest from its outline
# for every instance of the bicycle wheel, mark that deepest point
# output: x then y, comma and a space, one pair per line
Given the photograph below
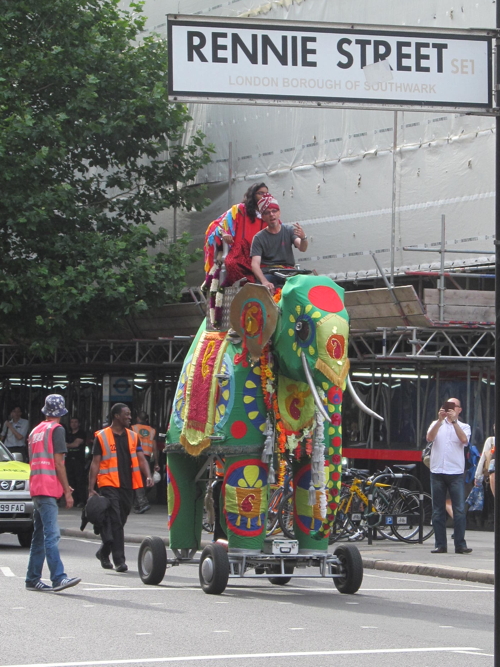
382, 503
345, 529
272, 512
348, 519
285, 516
409, 503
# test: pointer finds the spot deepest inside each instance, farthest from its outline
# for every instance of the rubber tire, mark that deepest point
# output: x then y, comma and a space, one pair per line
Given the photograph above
152, 549
351, 560
282, 581
285, 513
220, 564
25, 538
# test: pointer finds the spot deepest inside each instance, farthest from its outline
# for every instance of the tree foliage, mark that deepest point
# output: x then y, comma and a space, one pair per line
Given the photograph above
90, 153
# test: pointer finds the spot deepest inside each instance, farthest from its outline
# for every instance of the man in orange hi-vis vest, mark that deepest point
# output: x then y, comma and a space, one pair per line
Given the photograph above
117, 464
147, 435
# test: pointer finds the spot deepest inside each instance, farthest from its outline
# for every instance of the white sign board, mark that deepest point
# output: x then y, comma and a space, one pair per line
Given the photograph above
215, 60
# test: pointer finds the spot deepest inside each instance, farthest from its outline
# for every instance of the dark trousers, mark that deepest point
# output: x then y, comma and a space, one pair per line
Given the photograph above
75, 470
121, 501
219, 533
454, 485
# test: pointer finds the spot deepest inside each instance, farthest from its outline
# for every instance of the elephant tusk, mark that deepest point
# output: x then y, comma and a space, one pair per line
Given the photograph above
360, 403
314, 391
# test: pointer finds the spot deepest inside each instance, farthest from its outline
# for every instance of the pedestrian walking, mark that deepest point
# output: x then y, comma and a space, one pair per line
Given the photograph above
147, 436
48, 482
75, 461
116, 467
449, 437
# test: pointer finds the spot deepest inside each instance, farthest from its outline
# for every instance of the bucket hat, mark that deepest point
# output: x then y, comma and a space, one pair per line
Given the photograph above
54, 406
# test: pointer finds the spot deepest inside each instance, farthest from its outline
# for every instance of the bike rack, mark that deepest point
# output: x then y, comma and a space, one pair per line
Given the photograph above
396, 475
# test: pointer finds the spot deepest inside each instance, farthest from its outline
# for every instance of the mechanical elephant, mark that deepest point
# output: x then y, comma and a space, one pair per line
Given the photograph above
271, 387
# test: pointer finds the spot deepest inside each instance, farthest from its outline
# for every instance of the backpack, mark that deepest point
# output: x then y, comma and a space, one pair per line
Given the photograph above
472, 457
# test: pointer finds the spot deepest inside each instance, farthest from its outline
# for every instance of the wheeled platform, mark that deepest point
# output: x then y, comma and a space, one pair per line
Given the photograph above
279, 563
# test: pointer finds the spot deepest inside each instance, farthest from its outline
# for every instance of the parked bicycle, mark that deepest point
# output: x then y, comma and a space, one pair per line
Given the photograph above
388, 500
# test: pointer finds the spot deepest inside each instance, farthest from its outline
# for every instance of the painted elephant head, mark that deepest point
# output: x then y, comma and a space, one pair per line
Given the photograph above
308, 327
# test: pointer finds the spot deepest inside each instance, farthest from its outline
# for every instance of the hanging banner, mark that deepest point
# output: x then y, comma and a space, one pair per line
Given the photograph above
309, 64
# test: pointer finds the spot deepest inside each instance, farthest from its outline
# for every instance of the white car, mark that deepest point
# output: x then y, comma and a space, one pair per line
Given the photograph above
16, 506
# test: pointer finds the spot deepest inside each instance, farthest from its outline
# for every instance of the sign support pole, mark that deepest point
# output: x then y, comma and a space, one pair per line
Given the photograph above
496, 659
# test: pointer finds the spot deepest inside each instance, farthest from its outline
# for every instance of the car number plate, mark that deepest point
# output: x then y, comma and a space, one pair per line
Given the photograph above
12, 508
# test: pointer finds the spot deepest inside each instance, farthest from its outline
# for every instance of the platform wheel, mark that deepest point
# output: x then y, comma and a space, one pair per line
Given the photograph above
281, 581
214, 569
351, 569
152, 560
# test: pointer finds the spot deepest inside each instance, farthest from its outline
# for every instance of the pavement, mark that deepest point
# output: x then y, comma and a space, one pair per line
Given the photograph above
477, 566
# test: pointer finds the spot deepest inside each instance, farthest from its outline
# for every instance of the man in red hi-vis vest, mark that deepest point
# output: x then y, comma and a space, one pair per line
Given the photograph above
48, 482
117, 464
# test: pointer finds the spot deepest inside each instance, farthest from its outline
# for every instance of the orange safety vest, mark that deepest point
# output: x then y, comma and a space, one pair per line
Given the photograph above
147, 435
43, 476
108, 468
219, 468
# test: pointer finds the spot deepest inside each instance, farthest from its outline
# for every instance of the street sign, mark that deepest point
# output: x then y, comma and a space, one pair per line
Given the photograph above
121, 390
322, 64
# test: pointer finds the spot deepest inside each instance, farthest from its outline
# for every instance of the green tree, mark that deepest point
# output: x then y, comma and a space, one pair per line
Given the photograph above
90, 152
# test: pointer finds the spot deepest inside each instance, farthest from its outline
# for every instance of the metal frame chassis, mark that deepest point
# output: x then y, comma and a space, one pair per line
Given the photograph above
240, 563
248, 561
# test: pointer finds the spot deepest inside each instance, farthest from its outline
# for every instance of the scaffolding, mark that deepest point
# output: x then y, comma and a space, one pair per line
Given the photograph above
98, 356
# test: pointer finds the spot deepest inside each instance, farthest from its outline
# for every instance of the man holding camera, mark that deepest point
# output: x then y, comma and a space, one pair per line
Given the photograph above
449, 437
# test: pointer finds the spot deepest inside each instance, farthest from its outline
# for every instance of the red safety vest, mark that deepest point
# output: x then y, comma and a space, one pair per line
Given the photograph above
147, 435
43, 476
108, 468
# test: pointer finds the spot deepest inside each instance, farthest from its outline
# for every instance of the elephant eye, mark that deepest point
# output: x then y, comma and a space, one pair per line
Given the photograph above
303, 330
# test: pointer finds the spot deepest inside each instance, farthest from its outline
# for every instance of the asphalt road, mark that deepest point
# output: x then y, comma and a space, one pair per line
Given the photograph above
114, 619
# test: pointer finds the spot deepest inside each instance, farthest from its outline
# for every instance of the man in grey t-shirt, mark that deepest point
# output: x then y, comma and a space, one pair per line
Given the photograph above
272, 247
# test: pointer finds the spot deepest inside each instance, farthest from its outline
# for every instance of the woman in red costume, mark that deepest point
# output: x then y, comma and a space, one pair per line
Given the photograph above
236, 227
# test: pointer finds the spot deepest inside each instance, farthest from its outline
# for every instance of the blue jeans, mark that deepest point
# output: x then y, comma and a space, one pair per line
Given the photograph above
275, 280
44, 544
454, 484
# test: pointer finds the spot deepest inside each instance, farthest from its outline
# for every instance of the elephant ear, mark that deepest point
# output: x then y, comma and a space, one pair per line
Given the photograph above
254, 316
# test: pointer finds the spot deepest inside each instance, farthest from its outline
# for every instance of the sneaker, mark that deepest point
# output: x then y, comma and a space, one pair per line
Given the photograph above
105, 562
66, 583
141, 510
122, 568
39, 586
